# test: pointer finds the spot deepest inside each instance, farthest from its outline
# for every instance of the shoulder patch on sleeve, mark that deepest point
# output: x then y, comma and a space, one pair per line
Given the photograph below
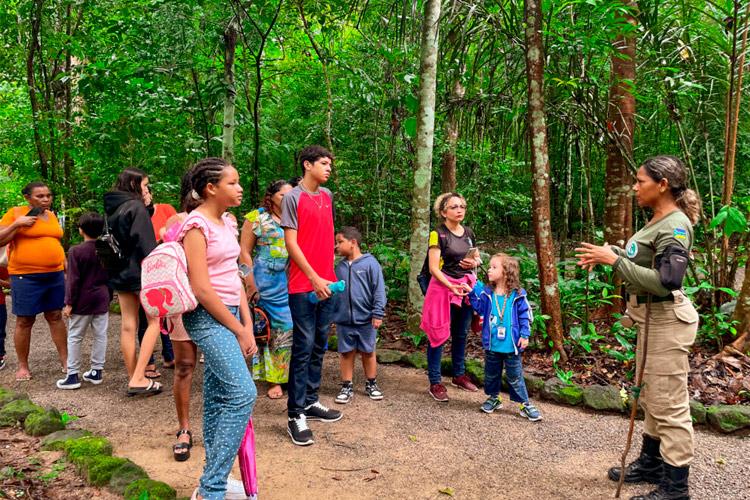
433, 239
680, 233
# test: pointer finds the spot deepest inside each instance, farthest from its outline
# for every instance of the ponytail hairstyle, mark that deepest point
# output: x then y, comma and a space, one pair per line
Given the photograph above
188, 203
31, 186
511, 271
130, 180
673, 170
204, 172
442, 201
271, 190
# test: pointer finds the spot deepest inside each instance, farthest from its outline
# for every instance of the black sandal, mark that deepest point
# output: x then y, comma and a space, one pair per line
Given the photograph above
181, 450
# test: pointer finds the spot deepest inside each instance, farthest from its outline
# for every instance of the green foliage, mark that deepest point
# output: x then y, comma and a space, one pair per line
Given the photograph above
731, 219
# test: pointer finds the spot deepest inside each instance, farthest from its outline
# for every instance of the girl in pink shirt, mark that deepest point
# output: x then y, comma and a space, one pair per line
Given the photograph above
221, 326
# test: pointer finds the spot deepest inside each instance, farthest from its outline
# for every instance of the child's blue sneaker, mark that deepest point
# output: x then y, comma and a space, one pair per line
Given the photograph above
531, 412
492, 404
70, 382
93, 376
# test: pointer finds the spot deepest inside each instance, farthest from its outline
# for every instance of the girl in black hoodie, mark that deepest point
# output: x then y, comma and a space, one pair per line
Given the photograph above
130, 224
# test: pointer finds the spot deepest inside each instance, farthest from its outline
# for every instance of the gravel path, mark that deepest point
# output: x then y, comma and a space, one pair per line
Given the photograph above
406, 446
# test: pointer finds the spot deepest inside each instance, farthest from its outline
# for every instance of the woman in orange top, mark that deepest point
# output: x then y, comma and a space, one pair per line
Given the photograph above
36, 261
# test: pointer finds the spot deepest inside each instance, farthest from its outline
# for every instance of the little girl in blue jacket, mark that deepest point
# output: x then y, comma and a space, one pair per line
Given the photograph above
505, 333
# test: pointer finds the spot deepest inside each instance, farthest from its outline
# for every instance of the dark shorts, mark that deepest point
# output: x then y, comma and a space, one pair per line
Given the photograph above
356, 337
37, 293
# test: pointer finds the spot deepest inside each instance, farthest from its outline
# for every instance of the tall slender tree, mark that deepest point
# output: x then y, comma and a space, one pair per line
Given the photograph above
620, 126
230, 95
540, 185
420, 204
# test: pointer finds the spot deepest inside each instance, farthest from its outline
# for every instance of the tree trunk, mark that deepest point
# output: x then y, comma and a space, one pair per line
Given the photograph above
204, 118
420, 213
230, 44
620, 124
448, 166
68, 165
742, 314
36, 25
543, 238
326, 79
730, 146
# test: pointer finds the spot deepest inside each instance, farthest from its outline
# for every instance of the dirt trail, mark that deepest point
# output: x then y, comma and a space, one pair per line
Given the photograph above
406, 446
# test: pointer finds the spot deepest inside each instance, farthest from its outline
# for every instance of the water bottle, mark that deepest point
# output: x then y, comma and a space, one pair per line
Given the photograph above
336, 287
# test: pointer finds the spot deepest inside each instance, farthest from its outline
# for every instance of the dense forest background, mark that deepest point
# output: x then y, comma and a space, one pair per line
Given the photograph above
89, 87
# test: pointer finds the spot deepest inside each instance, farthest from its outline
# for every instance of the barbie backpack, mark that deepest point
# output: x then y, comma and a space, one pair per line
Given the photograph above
165, 289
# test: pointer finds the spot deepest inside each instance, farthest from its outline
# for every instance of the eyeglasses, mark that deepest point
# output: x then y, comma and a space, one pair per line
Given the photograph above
454, 207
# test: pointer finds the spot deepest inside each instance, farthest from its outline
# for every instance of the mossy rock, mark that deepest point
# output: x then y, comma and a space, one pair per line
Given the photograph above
99, 468
156, 490
333, 343
388, 356
41, 424
416, 359
603, 397
475, 371
56, 440
446, 367
728, 418
698, 412
124, 475
17, 411
6, 396
534, 384
560, 392
80, 450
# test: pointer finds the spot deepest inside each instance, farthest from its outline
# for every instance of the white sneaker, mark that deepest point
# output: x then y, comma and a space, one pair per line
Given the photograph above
235, 490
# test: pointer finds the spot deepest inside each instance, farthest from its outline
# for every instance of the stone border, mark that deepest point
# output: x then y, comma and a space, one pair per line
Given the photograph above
92, 455
608, 398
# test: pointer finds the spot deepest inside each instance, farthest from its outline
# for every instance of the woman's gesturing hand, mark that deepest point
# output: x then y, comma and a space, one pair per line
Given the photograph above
589, 255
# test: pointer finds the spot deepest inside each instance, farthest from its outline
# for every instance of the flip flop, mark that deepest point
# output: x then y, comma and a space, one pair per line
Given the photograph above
24, 378
151, 388
153, 374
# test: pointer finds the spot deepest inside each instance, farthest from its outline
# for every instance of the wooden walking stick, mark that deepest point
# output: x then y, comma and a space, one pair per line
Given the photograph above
636, 391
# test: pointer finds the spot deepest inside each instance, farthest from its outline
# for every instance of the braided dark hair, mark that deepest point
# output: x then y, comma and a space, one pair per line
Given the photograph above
187, 202
204, 172
271, 190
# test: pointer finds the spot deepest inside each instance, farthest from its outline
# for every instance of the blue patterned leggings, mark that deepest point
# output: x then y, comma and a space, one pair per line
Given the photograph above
228, 397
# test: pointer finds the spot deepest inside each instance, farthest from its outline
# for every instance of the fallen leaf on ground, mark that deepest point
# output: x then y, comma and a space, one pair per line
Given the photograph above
412, 438
447, 490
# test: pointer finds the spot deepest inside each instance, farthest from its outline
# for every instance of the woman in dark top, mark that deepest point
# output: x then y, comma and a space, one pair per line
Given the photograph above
130, 224
452, 257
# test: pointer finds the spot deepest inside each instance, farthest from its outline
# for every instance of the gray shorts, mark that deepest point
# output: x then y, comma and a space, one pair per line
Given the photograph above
356, 337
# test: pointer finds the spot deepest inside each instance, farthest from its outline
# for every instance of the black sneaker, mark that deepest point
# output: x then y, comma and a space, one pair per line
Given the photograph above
372, 390
2, 362
299, 431
317, 411
70, 382
346, 394
93, 376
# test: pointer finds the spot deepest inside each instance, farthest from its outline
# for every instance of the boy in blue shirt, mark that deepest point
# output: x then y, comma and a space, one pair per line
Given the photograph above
359, 312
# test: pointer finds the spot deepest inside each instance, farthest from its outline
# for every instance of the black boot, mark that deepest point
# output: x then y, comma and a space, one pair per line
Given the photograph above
673, 486
647, 468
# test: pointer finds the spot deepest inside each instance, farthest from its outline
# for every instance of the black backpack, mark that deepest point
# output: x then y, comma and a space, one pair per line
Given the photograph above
108, 250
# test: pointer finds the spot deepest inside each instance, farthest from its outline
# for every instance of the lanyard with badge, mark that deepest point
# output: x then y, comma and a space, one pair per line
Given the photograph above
501, 312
